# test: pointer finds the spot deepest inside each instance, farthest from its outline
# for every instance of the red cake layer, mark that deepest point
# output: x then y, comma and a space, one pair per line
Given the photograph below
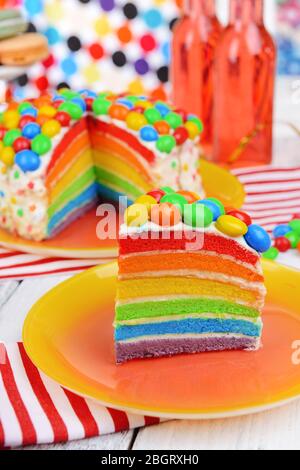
68, 138
211, 242
120, 134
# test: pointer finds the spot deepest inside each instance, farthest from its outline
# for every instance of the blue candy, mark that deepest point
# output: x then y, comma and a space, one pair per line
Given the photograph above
59, 98
88, 93
163, 109
148, 134
27, 160
215, 209
281, 231
258, 238
126, 103
31, 130
80, 102
29, 112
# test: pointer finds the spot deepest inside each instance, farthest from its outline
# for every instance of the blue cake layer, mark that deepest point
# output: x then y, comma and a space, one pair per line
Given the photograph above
84, 198
188, 326
110, 195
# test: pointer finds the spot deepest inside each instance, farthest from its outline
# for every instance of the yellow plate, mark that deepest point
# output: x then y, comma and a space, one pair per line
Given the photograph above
79, 240
68, 335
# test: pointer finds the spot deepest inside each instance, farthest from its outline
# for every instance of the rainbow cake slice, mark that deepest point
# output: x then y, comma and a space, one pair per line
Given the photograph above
190, 277
60, 155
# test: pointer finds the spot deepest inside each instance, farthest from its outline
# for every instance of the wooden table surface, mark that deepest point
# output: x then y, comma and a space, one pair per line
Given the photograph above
276, 429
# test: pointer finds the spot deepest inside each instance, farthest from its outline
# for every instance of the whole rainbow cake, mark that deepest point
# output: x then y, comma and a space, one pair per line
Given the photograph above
190, 277
60, 154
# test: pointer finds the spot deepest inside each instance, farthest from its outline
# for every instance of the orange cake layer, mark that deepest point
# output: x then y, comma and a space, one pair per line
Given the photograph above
186, 261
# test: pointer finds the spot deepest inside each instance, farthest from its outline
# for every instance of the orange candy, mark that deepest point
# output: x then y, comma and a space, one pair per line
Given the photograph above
190, 196
162, 127
124, 34
41, 119
117, 111
165, 215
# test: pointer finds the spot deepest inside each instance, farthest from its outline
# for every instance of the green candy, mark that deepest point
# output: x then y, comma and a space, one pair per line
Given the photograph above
1, 117
271, 254
72, 109
295, 226
166, 143
41, 144
152, 115
174, 120
132, 98
101, 106
11, 136
167, 190
219, 203
24, 106
69, 94
196, 121
294, 239
176, 199
197, 215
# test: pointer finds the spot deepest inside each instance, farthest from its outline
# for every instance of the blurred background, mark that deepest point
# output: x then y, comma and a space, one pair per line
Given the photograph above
119, 44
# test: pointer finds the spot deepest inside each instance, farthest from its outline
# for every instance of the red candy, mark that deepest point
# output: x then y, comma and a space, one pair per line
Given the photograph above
296, 217
21, 143
283, 244
56, 104
63, 118
182, 113
138, 109
89, 103
26, 120
157, 194
181, 135
3, 131
241, 216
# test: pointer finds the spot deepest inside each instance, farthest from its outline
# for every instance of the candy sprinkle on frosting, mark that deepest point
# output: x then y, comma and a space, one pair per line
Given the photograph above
167, 208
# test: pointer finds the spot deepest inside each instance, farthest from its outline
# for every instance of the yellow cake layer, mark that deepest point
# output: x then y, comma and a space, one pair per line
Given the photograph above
114, 165
164, 286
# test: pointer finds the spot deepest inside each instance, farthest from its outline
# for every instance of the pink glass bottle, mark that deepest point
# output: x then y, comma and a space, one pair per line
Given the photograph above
194, 41
244, 88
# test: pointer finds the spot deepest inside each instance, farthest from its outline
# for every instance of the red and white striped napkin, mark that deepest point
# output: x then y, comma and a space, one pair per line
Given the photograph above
36, 410
272, 197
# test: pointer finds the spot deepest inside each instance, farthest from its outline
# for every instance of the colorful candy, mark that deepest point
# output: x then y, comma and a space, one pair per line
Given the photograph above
176, 199
21, 143
29, 112
166, 143
63, 118
213, 206
219, 203
25, 120
101, 106
11, 136
41, 144
272, 253
295, 225
146, 200
162, 127
197, 215
118, 111
189, 196
27, 160
136, 215
162, 108
148, 134
196, 121
281, 230
258, 238
240, 215
7, 156
51, 128
72, 109
165, 215
152, 115
181, 135
47, 110
283, 244
294, 239
31, 130
174, 120
157, 194
135, 120
11, 118
192, 129
231, 226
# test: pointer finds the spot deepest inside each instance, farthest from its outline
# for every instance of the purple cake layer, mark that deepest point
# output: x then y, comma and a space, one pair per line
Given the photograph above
74, 216
169, 347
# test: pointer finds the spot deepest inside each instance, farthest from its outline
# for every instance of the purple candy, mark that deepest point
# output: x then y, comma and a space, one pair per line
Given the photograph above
141, 66
107, 5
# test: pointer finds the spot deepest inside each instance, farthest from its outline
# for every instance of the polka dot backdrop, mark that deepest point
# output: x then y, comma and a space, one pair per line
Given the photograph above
101, 44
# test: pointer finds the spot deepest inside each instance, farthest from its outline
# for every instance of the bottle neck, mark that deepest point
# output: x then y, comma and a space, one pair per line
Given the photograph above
196, 7
247, 11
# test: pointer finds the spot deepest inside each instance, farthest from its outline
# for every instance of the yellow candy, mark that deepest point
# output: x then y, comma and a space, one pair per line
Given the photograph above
192, 129
147, 201
7, 156
135, 121
136, 215
231, 226
47, 110
1, 146
51, 128
144, 104
11, 118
